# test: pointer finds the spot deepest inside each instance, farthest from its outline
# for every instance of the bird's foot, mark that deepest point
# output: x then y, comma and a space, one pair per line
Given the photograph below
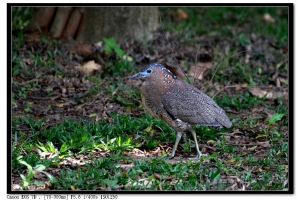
169, 157
198, 156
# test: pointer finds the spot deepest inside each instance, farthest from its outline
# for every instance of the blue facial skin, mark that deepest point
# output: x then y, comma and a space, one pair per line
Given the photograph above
146, 71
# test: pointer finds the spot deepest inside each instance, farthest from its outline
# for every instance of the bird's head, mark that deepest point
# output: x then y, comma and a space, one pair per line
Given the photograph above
154, 72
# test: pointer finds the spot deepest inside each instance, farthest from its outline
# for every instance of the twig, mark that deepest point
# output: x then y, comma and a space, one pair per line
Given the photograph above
230, 86
27, 82
171, 46
41, 130
195, 65
255, 144
231, 187
220, 66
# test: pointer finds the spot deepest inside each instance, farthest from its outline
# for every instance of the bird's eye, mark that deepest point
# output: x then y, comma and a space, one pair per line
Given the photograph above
149, 71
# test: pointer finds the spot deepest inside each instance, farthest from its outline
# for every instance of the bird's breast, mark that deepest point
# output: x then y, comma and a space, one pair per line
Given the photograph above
151, 100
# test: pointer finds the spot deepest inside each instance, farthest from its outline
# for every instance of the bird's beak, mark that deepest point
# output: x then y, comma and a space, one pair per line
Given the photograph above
136, 76
140, 75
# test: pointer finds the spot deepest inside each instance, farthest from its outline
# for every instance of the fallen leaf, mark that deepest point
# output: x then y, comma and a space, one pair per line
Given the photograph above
260, 136
229, 161
181, 14
285, 182
81, 48
257, 170
211, 142
149, 129
276, 117
261, 93
40, 116
34, 36
268, 18
89, 67
252, 148
27, 61
71, 89
238, 181
269, 113
237, 165
80, 106
162, 177
127, 58
16, 187
239, 87
93, 115
199, 69
264, 144
59, 105
73, 187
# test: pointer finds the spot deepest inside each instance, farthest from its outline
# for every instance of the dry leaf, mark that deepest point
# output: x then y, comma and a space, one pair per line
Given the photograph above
261, 136
181, 14
27, 61
229, 161
269, 113
257, 170
59, 105
162, 177
268, 18
261, 93
93, 115
71, 89
39, 116
80, 106
264, 144
237, 181
149, 129
81, 48
73, 187
267, 168
211, 142
241, 86
89, 67
252, 148
33, 36
199, 69
127, 58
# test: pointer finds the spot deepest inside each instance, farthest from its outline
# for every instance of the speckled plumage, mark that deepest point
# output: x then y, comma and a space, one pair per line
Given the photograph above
178, 103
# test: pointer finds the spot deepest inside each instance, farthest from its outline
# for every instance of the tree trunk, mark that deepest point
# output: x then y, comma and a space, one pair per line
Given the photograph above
91, 24
121, 23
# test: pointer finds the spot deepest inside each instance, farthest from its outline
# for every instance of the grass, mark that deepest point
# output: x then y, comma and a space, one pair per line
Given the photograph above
223, 21
107, 142
71, 139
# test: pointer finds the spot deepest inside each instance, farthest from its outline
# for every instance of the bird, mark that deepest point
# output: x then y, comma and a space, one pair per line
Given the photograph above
179, 104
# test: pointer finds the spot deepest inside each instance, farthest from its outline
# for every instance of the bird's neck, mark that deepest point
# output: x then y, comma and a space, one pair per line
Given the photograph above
161, 88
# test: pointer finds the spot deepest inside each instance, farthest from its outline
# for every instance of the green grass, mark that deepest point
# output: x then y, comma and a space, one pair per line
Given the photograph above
21, 17
224, 21
74, 138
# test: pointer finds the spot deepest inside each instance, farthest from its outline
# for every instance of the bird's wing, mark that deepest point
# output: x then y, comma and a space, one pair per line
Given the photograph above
190, 105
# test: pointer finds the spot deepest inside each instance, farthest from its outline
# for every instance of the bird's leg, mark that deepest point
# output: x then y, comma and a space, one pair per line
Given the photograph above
199, 154
178, 136
184, 136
